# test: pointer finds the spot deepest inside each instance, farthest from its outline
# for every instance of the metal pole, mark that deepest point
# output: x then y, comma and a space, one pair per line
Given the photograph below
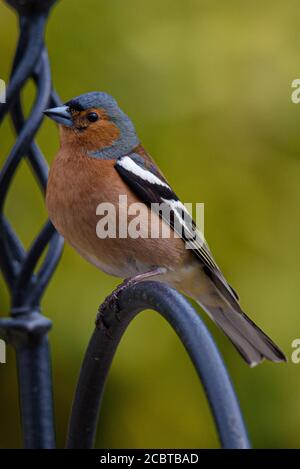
27, 329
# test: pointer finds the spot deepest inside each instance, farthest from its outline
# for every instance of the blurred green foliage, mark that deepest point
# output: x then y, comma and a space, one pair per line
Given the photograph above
208, 85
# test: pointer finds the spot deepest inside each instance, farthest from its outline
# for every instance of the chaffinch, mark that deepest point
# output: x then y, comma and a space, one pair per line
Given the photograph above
101, 159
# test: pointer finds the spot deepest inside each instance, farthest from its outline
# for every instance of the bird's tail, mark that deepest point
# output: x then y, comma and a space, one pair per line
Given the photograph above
221, 304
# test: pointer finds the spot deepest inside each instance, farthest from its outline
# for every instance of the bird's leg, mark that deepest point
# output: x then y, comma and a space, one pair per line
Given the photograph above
111, 301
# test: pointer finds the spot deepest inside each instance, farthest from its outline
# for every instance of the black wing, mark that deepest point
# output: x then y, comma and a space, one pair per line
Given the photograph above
152, 188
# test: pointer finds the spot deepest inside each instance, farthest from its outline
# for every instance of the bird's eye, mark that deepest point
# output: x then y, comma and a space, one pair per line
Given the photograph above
92, 117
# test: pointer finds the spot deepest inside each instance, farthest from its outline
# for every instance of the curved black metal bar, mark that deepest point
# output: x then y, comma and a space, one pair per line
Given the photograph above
197, 342
27, 133
28, 285
14, 244
27, 60
27, 329
9, 252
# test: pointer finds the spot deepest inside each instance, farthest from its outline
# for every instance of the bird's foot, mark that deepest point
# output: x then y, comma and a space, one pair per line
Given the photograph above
111, 302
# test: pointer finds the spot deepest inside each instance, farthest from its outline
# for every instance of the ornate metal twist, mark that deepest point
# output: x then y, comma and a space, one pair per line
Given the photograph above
26, 329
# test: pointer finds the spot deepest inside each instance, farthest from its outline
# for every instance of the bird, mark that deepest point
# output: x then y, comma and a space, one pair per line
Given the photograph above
100, 159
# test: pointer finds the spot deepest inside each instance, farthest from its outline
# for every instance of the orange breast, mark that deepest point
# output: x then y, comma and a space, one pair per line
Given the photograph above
77, 185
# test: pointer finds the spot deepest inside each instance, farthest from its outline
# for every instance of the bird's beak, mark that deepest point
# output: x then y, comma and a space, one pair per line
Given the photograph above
61, 115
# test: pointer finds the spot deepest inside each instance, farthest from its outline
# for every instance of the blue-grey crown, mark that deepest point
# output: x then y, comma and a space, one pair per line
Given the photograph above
95, 99
127, 140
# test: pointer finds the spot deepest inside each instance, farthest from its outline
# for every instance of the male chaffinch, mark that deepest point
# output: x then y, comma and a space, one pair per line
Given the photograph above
101, 158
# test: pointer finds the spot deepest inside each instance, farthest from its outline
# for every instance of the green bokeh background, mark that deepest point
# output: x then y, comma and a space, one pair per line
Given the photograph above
208, 85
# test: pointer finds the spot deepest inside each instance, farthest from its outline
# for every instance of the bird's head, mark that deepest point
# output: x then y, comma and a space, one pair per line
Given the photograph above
95, 122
